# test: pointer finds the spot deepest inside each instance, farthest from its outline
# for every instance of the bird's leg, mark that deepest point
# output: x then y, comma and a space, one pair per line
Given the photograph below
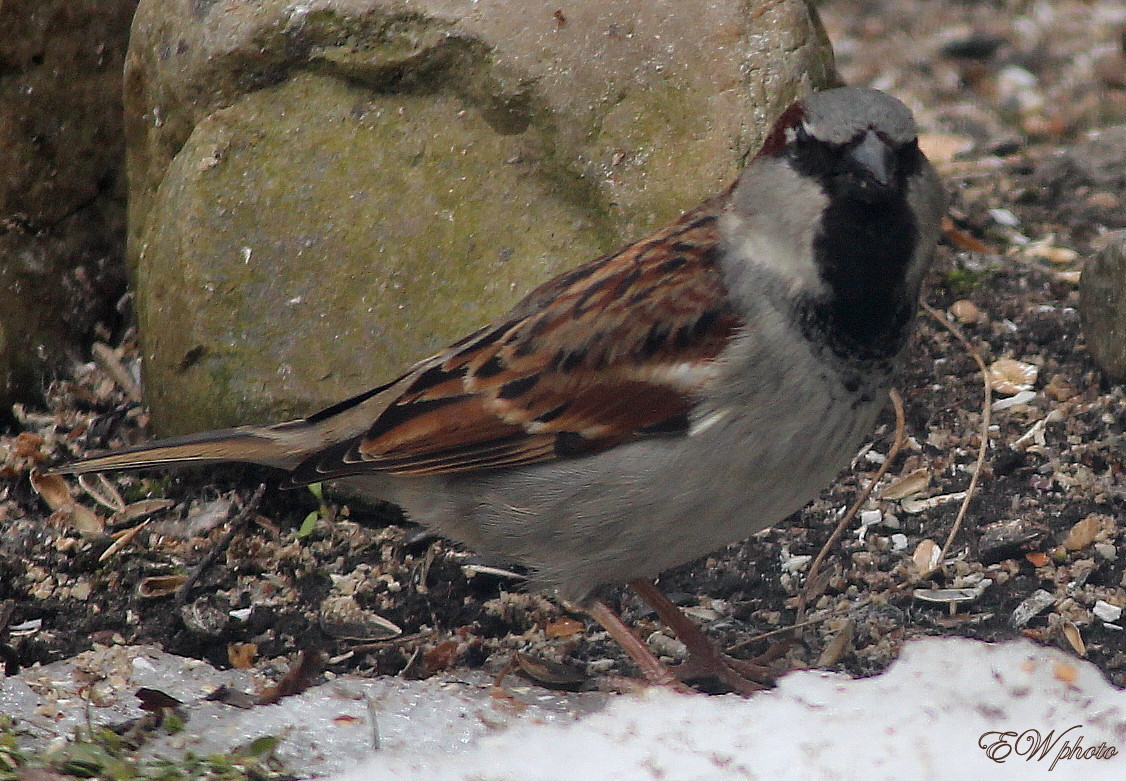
704, 659
651, 667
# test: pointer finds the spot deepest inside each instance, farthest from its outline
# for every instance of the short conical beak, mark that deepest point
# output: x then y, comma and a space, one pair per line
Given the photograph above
876, 157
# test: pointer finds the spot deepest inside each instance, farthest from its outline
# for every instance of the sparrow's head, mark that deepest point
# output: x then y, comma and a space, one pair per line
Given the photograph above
842, 211
860, 144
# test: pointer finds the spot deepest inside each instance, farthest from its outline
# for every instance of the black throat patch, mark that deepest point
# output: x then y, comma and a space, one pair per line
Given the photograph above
863, 251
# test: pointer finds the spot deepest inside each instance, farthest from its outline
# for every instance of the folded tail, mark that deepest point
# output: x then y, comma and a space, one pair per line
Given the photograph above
284, 446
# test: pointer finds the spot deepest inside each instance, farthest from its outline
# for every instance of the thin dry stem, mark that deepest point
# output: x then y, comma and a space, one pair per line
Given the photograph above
986, 408
900, 427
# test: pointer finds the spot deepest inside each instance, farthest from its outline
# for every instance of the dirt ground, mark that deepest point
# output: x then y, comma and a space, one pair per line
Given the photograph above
1018, 102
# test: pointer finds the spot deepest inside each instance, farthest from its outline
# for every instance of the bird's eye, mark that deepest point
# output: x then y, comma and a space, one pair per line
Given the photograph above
797, 136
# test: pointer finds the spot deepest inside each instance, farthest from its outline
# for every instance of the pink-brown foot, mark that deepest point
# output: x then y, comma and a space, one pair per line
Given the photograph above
654, 670
743, 676
705, 661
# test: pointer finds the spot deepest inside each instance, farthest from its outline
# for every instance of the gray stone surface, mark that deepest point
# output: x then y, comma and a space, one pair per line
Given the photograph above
62, 189
1102, 305
322, 193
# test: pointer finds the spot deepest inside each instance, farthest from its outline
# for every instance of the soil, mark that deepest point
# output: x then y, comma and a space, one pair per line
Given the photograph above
1017, 103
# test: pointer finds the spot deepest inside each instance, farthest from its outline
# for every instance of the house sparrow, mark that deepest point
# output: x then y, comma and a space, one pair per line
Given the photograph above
661, 401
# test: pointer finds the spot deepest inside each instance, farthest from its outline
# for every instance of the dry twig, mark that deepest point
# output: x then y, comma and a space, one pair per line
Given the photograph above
986, 407
811, 578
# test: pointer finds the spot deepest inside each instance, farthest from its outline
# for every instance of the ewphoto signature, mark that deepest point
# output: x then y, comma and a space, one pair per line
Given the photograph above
1034, 745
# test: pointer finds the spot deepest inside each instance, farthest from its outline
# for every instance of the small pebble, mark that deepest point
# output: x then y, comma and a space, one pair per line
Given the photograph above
1103, 200
965, 311
1107, 612
796, 563
1106, 551
1004, 217
870, 517
600, 666
1030, 607
926, 556
663, 645
1017, 89
1082, 534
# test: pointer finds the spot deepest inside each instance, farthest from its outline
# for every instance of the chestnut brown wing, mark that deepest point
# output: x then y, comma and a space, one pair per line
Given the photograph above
608, 352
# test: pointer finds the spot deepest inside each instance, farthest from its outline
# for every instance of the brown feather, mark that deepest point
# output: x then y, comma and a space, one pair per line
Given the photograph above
610, 351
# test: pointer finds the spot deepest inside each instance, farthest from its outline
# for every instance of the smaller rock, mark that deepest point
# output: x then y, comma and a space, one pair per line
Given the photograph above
1106, 551
1107, 612
204, 618
1082, 533
1102, 305
1008, 539
1030, 607
965, 311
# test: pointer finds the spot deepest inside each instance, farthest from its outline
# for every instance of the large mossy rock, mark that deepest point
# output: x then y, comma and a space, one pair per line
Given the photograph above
323, 193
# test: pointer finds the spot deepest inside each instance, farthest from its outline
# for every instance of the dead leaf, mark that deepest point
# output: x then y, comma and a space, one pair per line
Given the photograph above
947, 596
27, 445
553, 675
837, 646
144, 507
52, 489
963, 240
912, 505
1067, 673
440, 657
298, 679
155, 701
232, 697
1071, 632
102, 491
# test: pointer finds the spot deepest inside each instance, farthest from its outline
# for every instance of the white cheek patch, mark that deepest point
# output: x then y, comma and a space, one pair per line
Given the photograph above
770, 228
789, 259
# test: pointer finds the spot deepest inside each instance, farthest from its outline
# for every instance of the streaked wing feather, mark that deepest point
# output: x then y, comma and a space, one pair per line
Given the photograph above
605, 353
